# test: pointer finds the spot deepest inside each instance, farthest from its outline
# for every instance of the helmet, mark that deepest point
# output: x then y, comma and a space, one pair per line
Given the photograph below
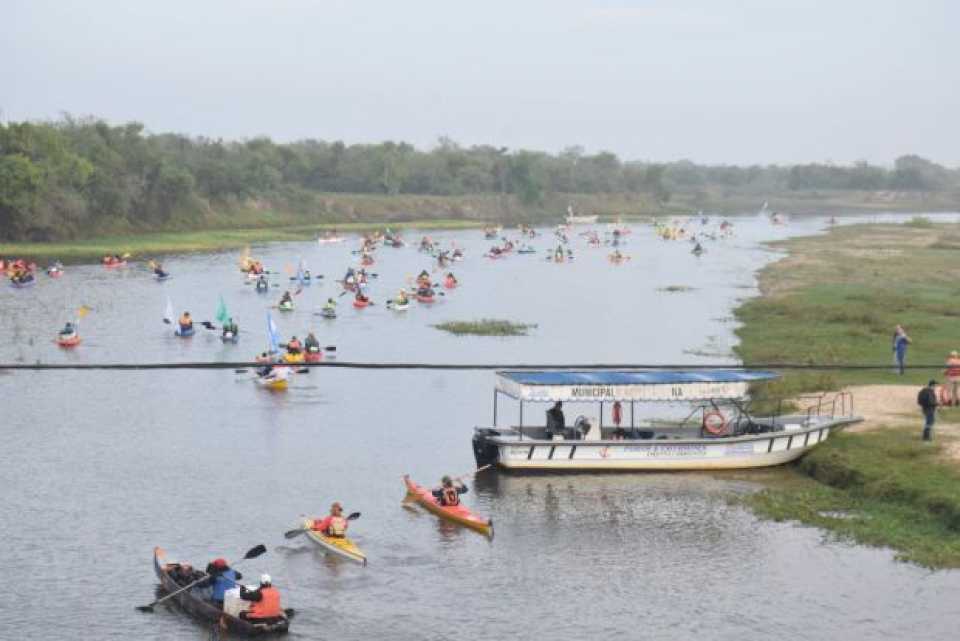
446, 480
219, 563
264, 579
336, 506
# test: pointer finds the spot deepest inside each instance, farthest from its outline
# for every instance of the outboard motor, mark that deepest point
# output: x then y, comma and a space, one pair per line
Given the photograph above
485, 452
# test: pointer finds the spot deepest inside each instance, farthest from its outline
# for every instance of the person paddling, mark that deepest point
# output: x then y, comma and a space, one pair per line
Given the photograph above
230, 329
186, 323
265, 605
330, 306
286, 299
68, 330
448, 494
221, 577
294, 347
401, 298
334, 524
311, 344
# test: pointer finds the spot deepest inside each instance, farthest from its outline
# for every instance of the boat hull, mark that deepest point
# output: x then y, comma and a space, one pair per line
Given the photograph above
742, 452
342, 547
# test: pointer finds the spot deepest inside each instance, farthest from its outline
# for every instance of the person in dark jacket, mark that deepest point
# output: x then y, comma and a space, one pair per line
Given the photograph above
448, 494
221, 577
927, 400
556, 422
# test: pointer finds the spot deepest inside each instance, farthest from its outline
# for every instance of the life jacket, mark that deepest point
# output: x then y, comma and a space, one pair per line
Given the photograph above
450, 496
338, 526
226, 580
294, 347
268, 607
186, 321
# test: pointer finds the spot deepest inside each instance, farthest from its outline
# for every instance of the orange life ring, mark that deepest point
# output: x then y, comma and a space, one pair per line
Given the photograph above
715, 423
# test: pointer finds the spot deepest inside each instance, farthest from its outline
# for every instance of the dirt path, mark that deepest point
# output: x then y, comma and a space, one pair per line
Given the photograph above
896, 405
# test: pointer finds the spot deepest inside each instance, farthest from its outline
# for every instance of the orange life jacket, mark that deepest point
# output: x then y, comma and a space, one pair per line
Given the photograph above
337, 527
268, 607
450, 496
294, 347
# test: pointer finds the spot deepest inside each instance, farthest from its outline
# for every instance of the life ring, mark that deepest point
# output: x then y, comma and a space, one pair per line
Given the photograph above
715, 423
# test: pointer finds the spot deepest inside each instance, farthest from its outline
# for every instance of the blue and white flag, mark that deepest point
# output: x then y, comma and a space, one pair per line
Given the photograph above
273, 335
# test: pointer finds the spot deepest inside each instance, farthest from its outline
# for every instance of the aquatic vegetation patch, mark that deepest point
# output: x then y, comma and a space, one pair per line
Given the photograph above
485, 327
676, 288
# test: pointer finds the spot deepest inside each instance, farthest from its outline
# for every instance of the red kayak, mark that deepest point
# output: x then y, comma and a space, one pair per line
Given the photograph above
115, 265
425, 299
313, 357
455, 513
366, 261
71, 341
450, 284
360, 304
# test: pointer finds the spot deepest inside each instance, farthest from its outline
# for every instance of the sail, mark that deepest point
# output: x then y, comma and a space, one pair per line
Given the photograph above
222, 315
273, 335
168, 312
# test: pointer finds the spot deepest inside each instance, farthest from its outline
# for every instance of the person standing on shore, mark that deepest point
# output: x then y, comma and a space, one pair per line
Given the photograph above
927, 400
953, 377
900, 342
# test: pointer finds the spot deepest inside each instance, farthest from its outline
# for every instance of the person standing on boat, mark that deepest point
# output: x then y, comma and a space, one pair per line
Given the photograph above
556, 422
900, 342
334, 524
264, 602
221, 577
448, 494
927, 400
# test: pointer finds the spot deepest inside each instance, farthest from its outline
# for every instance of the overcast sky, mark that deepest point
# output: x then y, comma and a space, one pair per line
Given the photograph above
717, 81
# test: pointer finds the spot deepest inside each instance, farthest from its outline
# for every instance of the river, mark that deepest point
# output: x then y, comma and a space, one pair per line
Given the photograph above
99, 467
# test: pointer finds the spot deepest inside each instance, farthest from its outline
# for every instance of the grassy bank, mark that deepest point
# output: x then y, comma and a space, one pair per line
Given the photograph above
485, 327
882, 488
835, 300
153, 244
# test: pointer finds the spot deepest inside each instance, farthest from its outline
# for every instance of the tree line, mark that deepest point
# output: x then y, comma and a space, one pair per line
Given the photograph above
69, 177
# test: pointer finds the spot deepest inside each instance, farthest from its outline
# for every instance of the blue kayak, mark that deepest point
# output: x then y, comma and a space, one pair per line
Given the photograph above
184, 332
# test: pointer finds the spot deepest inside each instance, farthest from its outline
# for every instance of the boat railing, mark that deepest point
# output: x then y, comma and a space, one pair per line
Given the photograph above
827, 405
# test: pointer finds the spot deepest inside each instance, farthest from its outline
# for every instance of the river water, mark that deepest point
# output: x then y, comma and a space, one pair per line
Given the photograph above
99, 467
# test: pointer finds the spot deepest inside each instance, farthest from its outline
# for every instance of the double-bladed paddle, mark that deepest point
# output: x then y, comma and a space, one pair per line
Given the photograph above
290, 534
252, 553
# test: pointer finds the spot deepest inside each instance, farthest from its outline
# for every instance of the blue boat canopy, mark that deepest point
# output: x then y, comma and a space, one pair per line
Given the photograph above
641, 385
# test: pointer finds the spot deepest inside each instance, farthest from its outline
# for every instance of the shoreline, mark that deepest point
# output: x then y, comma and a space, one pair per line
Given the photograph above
833, 299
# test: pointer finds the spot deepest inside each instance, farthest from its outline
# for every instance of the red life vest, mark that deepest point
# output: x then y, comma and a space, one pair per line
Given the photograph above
268, 607
337, 527
450, 496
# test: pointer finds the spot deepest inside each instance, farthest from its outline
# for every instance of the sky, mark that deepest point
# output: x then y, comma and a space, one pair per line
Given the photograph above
713, 81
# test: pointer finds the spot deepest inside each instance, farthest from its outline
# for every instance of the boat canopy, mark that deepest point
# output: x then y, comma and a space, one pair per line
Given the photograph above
639, 385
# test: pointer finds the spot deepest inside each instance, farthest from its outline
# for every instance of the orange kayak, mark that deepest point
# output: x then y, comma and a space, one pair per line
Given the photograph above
456, 513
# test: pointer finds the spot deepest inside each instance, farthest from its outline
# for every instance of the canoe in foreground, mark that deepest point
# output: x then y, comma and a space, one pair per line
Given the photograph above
340, 546
192, 602
458, 513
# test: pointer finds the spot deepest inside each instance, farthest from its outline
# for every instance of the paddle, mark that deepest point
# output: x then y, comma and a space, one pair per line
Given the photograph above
291, 534
252, 553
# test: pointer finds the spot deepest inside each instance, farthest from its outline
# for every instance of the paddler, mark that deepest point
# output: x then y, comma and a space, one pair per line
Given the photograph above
185, 321
558, 254
286, 299
423, 277
264, 602
452, 280
448, 494
68, 330
294, 346
221, 577
158, 270
330, 305
401, 298
311, 344
231, 328
361, 297
334, 524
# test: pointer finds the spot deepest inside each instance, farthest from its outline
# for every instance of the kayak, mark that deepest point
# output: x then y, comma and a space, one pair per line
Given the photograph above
366, 261
121, 263
360, 304
293, 358
398, 307
285, 307
313, 356
340, 546
160, 278
306, 279
425, 299
230, 337
195, 603
184, 332
450, 284
328, 313
274, 382
54, 273
68, 341
616, 259
21, 284
456, 513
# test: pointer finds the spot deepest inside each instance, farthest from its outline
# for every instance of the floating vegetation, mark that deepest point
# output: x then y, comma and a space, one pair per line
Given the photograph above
676, 288
485, 327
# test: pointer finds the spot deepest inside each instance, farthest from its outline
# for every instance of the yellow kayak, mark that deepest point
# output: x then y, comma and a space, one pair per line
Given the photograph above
293, 358
341, 546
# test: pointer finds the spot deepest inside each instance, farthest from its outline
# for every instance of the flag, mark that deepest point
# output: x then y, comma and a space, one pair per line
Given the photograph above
83, 311
273, 336
168, 313
222, 315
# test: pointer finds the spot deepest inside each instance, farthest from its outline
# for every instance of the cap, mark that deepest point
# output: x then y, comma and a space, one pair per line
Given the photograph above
219, 563
933, 381
264, 579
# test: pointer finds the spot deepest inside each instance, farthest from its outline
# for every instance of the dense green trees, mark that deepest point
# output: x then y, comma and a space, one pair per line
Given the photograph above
64, 178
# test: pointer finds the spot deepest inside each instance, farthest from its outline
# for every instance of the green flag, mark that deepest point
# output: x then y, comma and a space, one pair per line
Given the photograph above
222, 315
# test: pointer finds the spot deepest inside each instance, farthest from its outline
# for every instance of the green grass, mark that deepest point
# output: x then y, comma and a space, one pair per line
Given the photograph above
485, 327
884, 488
153, 244
836, 299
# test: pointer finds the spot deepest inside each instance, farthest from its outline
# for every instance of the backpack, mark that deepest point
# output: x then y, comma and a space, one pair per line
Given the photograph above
926, 398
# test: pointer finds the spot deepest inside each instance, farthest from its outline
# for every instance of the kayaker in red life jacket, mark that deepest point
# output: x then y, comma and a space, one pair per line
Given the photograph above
334, 524
448, 494
361, 297
264, 602
294, 347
